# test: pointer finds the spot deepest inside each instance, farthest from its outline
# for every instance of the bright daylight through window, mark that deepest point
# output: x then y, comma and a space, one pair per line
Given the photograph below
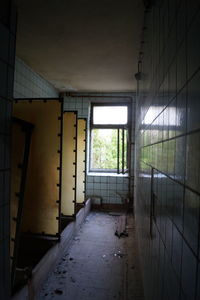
109, 138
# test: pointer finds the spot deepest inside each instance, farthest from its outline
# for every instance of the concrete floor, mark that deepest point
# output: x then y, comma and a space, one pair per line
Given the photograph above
98, 265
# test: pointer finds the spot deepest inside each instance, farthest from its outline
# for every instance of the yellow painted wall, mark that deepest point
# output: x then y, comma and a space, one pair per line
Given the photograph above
80, 172
40, 208
68, 164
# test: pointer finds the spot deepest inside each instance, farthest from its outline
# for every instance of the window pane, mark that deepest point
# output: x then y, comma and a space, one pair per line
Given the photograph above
104, 149
110, 115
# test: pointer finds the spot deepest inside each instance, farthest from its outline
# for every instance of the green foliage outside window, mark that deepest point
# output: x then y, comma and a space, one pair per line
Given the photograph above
104, 149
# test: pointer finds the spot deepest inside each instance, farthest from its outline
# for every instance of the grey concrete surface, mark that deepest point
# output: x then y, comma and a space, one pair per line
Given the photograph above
49, 261
98, 265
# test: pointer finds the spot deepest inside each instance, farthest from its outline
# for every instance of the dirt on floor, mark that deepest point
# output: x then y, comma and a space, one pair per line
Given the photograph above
98, 265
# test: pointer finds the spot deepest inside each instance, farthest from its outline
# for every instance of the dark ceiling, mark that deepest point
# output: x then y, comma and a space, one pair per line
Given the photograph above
81, 45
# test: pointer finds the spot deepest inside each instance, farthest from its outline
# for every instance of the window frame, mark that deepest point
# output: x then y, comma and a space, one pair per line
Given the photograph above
126, 126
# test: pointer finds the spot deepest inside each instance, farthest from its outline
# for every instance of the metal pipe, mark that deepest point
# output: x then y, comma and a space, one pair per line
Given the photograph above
173, 179
41, 99
100, 96
151, 205
123, 151
118, 151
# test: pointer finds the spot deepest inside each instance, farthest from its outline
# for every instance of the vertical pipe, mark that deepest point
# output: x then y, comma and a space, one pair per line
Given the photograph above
152, 203
118, 150
123, 151
127, 152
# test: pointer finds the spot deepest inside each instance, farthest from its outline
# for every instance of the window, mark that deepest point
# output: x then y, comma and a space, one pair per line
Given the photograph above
109, 135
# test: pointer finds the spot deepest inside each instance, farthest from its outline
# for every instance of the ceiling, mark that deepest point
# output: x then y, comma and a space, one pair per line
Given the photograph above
81, 45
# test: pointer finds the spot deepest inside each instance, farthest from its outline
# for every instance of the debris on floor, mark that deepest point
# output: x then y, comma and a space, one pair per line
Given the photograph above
100, 266
58, 292
119, 254
115, 214
72, 279
121, 230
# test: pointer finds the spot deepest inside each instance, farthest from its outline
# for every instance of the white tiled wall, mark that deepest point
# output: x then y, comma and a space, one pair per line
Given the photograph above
79, 104
28, 84
167, 147
112, 189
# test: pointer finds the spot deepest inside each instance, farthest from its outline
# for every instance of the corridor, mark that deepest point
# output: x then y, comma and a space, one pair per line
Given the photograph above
99, 112
97, 265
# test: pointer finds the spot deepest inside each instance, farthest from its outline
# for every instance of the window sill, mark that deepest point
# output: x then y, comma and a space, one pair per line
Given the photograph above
107, 174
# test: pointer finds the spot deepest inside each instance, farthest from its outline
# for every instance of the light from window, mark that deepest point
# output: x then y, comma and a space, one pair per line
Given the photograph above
170, 118
110, 115
109, 138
